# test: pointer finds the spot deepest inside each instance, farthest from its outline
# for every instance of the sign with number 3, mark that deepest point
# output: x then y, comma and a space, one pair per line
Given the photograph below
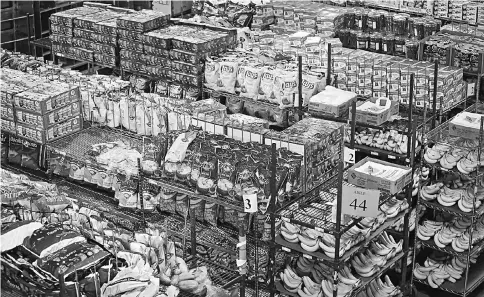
250, 202
360, 202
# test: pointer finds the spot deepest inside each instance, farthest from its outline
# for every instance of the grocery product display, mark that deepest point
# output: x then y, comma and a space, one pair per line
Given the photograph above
283, 148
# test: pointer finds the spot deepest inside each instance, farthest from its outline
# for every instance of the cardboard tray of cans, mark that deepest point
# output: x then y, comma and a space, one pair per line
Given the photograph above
108, 27
160, 38
151, 50
107, 60
130, 45
66, 18
143, 21
105, 49
130, 35
158, 61
46, 97
64, 39
61, 30
55, 132
187, 57
132, 55
28, 118
88, 21
96, 37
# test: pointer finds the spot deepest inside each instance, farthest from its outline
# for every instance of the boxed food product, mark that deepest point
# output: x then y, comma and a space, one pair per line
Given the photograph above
45, 135
331, 101
466, 125
104, 49
61, 38
61, 30
376, 174
47, 97
50, 119
375, 111
108, 27
9, 126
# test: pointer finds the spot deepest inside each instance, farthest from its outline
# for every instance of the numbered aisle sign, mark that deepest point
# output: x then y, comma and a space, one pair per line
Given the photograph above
250, 202
349, 155
360, 202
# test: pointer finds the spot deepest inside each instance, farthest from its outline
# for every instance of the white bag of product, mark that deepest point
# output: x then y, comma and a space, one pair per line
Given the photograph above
212, 73
228, 76
250, 88
266, 87
310, 87
113, 117
239, 81
285, 89
128, 114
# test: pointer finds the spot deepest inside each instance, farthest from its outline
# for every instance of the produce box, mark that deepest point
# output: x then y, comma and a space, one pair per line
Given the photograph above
45, 135
9, 126
47, 97
376, 118
66, 18
324, 102
466, 125
7, 111
50, 119
143, 21
373, 182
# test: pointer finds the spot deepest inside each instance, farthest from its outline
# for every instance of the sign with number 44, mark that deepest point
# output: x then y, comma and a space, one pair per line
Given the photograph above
360, 202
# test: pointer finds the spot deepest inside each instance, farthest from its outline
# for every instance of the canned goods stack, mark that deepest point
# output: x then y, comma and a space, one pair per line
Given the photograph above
384, 32
35, 109
377, 75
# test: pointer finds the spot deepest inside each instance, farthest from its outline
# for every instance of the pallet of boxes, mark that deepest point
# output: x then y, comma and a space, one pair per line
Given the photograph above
37, 111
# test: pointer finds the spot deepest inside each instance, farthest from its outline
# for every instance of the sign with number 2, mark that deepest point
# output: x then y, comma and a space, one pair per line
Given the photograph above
360, 202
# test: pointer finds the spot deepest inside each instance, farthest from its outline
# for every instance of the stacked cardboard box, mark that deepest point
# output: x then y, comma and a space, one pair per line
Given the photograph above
38, 110
377, 75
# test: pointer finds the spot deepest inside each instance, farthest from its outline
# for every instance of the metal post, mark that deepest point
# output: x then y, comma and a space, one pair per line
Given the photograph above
434, 95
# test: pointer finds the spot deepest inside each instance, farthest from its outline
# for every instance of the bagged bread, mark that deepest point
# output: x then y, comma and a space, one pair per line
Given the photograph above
228, 76
113, 116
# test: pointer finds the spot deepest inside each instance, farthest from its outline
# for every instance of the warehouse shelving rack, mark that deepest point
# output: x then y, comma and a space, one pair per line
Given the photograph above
474, 275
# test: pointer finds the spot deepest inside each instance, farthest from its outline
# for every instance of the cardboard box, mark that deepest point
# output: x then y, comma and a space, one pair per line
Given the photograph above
9, 126
48, 97
48, 120
376, 119
459, 130
373, 182
45, 135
